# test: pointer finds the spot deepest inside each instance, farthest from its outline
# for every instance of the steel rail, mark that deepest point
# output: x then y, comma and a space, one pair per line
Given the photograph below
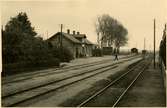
106, 87
61, 71
55, 81
54, 89
51, 90
125, 91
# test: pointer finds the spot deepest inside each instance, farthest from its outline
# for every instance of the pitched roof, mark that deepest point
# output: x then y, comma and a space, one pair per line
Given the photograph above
88, 42
72, 38
83, 36
68, 36
79, 36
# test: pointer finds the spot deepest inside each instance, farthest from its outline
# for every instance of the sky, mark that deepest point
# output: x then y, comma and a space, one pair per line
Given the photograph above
80, 15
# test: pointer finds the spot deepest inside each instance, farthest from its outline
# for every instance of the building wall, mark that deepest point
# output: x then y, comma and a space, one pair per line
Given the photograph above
72, 47
89, 49
55, 42
75, 49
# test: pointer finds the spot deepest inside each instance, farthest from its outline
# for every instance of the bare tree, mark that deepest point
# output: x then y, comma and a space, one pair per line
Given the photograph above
111, 31
104, 27
120, 38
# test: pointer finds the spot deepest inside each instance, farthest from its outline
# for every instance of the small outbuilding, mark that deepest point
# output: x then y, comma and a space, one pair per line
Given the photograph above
107, 50
144, 51
134, 50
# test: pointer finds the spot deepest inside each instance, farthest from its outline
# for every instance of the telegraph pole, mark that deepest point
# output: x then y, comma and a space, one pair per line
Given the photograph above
47, 34
144, 44
2, 27
61, 38
154, 43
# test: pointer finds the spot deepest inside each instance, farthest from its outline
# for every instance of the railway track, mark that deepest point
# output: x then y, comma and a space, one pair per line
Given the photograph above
116, 89
52, 79
55, 71
13, 99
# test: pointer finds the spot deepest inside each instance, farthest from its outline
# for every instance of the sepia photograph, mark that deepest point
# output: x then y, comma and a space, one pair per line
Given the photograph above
83, 53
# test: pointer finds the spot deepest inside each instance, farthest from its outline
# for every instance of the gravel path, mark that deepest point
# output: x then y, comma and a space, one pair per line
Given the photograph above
148, 91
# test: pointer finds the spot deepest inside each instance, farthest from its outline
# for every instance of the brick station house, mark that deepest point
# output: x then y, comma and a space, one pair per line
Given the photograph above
76, 43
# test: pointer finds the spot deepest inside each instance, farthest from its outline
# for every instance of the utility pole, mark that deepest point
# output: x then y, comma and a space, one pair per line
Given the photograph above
61, 38
2, 27
154, 43
144, 44
2, 31
47, 34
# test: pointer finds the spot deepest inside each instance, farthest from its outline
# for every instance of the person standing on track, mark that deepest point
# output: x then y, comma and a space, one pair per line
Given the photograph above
116, 56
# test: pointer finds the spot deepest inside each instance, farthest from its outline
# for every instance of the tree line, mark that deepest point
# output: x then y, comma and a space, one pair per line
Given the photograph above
21, 43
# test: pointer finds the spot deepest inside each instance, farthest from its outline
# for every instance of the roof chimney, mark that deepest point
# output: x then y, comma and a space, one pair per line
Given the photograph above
74, 32
78, 33
68, 31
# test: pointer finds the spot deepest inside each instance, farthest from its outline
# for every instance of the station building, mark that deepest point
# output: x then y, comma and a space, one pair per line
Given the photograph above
76, 43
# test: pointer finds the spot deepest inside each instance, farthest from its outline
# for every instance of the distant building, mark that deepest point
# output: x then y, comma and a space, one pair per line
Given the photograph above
107, 50
144, 51
107, 46
134, 50
76, 43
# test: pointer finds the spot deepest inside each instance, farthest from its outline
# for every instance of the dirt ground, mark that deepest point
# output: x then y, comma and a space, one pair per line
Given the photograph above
148, 91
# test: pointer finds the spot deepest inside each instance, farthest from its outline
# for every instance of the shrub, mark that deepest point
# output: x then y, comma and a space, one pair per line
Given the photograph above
13, 68
63, 54
67, 55
22, 48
